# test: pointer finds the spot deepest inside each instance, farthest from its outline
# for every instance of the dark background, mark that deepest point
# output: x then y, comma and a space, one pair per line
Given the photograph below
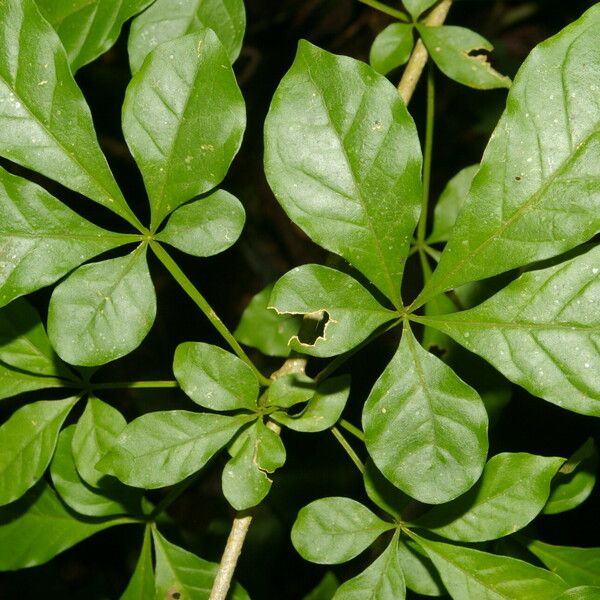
270, 568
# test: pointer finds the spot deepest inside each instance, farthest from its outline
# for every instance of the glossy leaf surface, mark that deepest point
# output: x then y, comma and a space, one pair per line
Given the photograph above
165, 21
343, 158
351, 311
45, 124
207, 226
27, 442
13, 382
425, 429
537, 193
584, 592
542, 332
183, 120
512, 491
392, 47
163, 448
103, 310
215, 378
334, 530
141, 584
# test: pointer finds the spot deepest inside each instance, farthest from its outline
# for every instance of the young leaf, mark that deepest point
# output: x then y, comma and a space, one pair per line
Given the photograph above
419, 573
334, 530
141, 585
425, 429
575, 480
103, 311
342, 156
27, 442
541, 332
577, 566
511, 492
38, 527
469, 574
450, 203
392, 47
42, 239
416, 7
537, 193
96, 433
264, 329
13, 382
452, 50
45, 124
165, 21
88, 29
351, 311
322, 411
80, 496
207, 226
382, 580
183, 120
215, 378
164, 447
183, 575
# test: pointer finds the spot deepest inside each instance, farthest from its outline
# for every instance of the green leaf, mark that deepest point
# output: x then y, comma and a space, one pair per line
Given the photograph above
334, 530
325, 589
80, 496
419, 573
38, 527
450, 203
575, 480
322, 411
581, 593
542, 331
215, 378
512, 491
382, 580
425, 429
469, 574
96, 433
24, 344
342, 156
183, 575
537, 193
264, 329
392, 47
452, 50
207, 226
245, 479
351, 311
141, 584
577, 566
165, 21
88, 29
40, 238
385, 495
103, 310
416, 7
183, 120
45, 124
162, 448
288, 390
27, 442
14, 382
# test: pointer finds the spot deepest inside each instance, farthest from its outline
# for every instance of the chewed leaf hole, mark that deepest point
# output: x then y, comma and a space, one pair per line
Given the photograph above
479, 52
313, 327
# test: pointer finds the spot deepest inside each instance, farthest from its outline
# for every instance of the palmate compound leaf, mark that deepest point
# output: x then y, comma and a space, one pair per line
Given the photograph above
166, 20
537, 193
40, 238
183, 575
162, 448
183, 120
38, 527
542, 331
392, 47
425, 429
88, 29
334, 530
215, 378
141, 585
350, 311
103, 310
469, 574
27, 442
342, 156
512, 491
45, 124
